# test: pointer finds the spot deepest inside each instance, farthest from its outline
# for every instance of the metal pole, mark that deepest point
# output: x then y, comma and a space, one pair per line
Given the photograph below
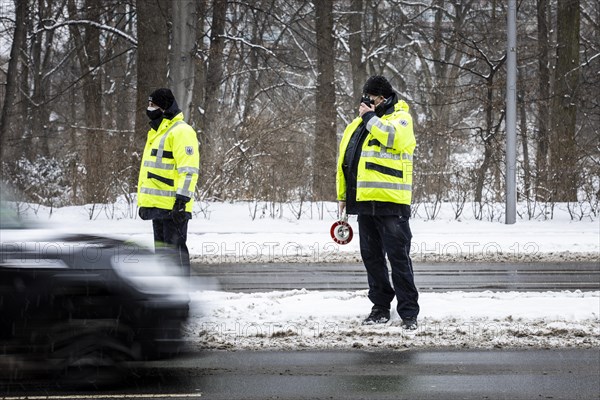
511, 114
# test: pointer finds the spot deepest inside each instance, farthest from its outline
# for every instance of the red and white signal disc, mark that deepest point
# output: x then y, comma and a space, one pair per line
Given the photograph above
341, 232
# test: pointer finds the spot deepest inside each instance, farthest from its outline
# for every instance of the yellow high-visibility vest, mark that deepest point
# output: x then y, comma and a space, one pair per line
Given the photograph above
386, 160
170, 165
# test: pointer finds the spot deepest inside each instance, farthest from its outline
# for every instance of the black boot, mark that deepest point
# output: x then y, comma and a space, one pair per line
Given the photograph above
379, 315
409, 324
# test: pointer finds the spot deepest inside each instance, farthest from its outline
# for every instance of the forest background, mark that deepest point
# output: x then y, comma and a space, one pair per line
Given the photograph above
269, 85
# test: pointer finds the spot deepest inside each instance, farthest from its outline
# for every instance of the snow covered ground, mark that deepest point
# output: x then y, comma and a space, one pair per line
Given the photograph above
246, 233
308, 319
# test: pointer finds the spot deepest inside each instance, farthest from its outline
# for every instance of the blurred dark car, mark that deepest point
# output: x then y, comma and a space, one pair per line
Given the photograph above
79, 308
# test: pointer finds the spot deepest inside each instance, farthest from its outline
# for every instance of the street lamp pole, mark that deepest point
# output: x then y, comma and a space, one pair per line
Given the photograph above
511, 114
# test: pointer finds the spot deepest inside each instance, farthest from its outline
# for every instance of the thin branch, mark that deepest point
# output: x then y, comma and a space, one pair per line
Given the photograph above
88, 22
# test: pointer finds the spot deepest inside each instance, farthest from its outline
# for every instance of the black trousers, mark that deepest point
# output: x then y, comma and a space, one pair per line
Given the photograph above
169, 236
389, 235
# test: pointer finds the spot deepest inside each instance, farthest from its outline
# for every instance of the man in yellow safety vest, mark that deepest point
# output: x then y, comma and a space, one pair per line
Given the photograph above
168, 174
374, 181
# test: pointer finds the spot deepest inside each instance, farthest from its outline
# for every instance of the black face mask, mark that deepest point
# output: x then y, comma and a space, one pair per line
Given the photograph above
154, 114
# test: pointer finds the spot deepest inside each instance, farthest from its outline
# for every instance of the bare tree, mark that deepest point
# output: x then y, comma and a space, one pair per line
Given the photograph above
214, 72
120, 98
523, 131
325, 126
197, 101
152, 64
563, 153
543, 119
356, 48
12, 77
88, 53
183, 51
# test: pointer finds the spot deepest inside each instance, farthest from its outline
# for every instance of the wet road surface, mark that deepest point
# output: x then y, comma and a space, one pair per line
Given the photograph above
410, 374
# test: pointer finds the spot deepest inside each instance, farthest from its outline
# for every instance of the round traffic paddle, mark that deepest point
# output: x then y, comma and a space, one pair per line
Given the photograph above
341, 231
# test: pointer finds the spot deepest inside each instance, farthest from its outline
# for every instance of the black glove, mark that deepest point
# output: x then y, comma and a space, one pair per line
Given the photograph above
143, 213
178, 214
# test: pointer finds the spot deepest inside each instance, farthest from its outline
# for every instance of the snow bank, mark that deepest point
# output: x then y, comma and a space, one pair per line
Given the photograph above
314, 319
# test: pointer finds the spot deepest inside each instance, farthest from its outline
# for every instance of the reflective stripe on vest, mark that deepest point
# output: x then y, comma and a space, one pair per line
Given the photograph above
185, 189
157, 192
191, 170
158, 164
384, 185
384, 154
391, 131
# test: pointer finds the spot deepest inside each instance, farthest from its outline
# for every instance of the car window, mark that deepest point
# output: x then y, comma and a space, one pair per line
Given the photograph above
9, 218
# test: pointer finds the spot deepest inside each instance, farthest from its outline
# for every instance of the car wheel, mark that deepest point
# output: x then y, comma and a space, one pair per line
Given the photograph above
89, 352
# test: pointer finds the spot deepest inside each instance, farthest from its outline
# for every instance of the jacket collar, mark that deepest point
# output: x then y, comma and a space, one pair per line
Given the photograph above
167, 122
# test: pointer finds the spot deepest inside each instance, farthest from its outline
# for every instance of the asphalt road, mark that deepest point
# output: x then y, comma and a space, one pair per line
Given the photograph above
428, 277
410, 374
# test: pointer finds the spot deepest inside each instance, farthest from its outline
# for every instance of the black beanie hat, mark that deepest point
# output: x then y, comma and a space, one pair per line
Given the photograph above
162, 97
377, 85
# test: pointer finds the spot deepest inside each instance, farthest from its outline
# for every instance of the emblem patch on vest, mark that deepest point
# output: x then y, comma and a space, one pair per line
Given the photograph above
189, 150
403, 122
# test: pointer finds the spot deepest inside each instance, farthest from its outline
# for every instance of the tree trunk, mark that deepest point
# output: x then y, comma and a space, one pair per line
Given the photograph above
96, 182
196, 114
152, 66
544, 95
253, 74
359, 73
440, 150
325, 127
183, 50
214, 73
563, 154
209, 136
120, 94
488, 137
524, 136
12, 80
88, 52
482, 173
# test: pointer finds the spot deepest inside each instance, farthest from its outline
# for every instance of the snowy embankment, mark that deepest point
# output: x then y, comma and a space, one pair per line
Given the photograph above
223, 232
300, 319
